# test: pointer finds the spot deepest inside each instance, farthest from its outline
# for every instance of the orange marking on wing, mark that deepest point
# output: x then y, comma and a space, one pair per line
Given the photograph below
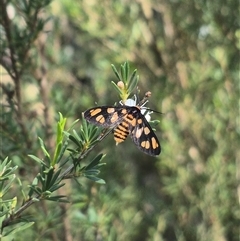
95, 111
100, 119
154, 143
114, 117
138, 133
110, 110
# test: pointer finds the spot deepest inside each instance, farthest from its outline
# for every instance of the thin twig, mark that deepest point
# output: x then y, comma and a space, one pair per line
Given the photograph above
64, 175
84, 153
17, 214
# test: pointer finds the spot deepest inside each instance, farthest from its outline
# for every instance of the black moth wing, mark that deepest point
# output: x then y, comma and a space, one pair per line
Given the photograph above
143, 135
106, 116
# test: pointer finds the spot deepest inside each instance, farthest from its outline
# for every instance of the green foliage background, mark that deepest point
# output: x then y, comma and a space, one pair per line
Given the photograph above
187, 55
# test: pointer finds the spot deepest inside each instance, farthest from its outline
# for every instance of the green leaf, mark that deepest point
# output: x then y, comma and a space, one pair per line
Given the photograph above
116, 72
5, 164
49, 175
62, 151
133, 82
6, 170
123, 73
126, 71
59, 139
96, 179
92, 171
56, 153
76, 138
6, 187
38, 160
44, 150
20, 227
117, 88
54, 177
95, 161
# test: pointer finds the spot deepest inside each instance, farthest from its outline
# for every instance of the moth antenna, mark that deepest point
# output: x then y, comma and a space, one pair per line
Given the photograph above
145, 98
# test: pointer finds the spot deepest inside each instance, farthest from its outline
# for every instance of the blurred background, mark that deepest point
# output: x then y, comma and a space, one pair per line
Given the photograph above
187, 55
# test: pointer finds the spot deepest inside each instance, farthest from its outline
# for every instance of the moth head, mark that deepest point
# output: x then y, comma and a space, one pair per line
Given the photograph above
144, 110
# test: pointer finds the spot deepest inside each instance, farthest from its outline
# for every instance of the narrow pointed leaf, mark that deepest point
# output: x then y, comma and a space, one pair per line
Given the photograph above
116, 72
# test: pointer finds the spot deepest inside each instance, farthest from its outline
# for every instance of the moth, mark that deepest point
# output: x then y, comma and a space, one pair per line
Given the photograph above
126, 120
